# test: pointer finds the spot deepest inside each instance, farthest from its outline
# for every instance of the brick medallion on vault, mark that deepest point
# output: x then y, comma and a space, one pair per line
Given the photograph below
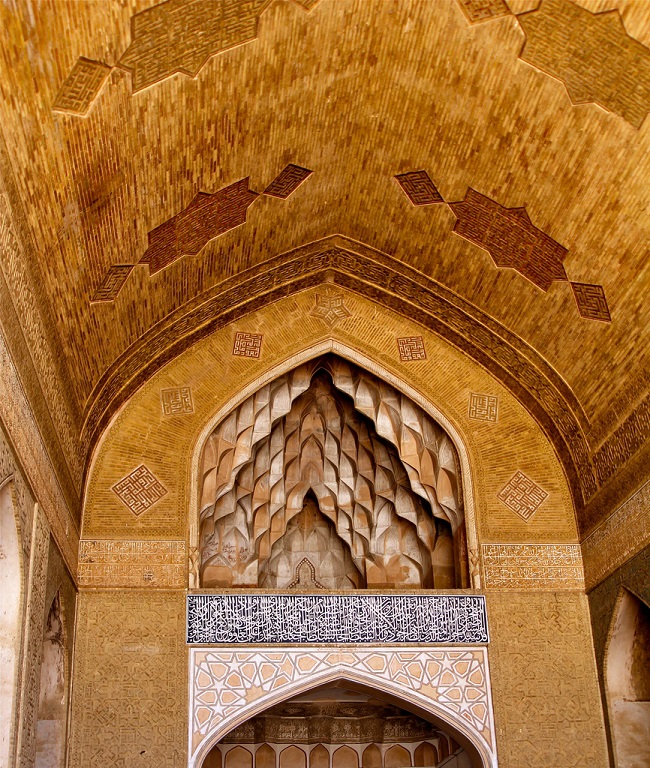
522, 495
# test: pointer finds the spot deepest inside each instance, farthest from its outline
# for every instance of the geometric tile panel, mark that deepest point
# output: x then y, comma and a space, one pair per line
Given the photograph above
287, 181
112, 283
247, 344
483, 10
522, 495
510, 238
483, 407
592, 54
176, 400
139, 490
81, 87
419, 188
329, 307
411, 348
229, 685
591, 301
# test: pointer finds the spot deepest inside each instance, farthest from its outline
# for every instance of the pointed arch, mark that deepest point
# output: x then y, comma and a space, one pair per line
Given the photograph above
265, 677
354, 356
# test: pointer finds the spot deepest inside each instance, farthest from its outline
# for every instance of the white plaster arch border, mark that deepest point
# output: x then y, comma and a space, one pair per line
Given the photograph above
229, 685
353, 355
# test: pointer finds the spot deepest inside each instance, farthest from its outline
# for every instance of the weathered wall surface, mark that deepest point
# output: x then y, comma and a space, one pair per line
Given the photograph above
130, 686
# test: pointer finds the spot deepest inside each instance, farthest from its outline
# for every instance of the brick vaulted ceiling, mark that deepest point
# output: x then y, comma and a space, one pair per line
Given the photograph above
482, 167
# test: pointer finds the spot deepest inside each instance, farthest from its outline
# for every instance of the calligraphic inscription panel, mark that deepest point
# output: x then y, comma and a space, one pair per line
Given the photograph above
269, 618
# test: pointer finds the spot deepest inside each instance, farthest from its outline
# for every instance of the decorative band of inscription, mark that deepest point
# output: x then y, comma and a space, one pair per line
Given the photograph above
357, 618
621, 536
533, 566
106, 563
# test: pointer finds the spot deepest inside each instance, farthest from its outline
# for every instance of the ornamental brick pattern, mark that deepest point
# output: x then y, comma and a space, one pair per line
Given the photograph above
176, 400
287, 181
522, 495
419, 188
483, 407
411, 348
139, 490
247, 344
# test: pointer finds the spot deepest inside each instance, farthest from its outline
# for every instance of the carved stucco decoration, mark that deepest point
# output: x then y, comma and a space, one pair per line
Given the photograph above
294, 436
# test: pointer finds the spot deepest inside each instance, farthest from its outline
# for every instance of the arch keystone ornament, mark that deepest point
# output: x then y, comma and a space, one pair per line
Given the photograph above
452, 685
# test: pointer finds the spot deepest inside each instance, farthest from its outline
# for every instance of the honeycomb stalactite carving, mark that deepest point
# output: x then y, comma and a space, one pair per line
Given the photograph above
522, 495
419, 188
287, 182
591, 301
377, 469
592, 54
206, 217
510, 237
81, 87
139, 490
483, 10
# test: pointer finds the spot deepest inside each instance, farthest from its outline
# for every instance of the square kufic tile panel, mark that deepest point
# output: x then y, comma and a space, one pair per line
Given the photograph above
247, 344
229, 684
522, 495
483, 407
139, 490
176, 400
411, 348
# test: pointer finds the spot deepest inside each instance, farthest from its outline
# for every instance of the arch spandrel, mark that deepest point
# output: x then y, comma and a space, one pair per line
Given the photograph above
491, 452
449, 687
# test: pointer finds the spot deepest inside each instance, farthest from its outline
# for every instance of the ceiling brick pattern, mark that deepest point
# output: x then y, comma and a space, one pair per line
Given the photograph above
411, 348
483, 10
176, 400
287, 181
419, 188
483, 407
247, 344
81, 86
591, 301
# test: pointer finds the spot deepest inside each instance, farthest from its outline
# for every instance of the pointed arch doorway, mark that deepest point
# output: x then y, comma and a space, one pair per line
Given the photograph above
445, 687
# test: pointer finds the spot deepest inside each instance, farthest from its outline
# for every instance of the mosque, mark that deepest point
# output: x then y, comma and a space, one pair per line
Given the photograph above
324, 384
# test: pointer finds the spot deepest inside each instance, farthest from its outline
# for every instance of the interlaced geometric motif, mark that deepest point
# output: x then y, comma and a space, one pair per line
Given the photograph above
522, 495
176, 400
81, 87
411, 348
482, 10
112, 283
228, 686
247, 344
139, 490
419, 188
591, 301
483, 407
287, 181
330, 307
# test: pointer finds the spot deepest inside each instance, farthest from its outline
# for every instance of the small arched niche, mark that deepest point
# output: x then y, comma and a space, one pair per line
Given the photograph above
50, 728
10, 615
627, 675
336, 726
328, 477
